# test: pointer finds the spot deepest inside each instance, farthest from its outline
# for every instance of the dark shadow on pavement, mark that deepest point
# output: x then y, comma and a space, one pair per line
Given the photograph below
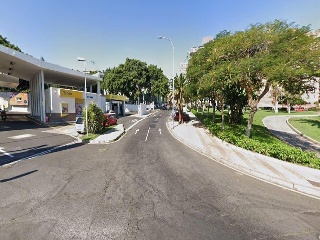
296, 141
18, 176
29, 153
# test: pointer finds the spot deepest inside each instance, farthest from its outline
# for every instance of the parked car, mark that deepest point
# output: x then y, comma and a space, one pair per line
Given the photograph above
185, 116
80, 125
111, 119
111, 112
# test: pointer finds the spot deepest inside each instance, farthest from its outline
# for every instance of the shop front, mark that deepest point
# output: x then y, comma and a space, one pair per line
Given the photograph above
64, 105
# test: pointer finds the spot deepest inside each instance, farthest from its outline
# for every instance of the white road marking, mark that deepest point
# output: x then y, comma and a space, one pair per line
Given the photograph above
147, 135
5, 153
49, 150
159, 131
22, 136
136, 131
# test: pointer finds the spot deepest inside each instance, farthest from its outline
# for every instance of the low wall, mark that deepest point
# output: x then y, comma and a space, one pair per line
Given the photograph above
131, 108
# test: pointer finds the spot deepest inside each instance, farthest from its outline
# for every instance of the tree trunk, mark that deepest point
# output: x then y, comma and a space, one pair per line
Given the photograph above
253, 106
231, 114
222, 114
180, 107
276, 107
253, 110
213, 103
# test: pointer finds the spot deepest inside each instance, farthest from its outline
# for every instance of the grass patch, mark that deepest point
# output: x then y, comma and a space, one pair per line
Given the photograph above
260, 141
92, 136
309, 126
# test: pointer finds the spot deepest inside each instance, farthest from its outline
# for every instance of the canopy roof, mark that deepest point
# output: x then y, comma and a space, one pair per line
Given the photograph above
15, 65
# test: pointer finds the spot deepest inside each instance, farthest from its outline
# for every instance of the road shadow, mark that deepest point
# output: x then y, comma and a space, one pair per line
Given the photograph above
296, 141
29, 153
311, 122
18, 176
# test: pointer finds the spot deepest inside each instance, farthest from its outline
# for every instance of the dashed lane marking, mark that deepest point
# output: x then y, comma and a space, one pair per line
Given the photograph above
22, 136
147, 134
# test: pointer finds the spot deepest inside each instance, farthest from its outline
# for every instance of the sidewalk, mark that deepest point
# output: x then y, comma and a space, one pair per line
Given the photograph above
115, 133
292, 176
110, 136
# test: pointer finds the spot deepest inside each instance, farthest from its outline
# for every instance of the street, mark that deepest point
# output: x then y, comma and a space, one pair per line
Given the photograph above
146, 185
23, 139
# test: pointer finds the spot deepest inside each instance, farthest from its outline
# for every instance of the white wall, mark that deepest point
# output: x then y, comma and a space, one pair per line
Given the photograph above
131, 108
53, 101
142, 110
54, 106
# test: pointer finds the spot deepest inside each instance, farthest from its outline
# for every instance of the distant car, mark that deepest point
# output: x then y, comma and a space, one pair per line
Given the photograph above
111, 112
80, 125
111, 119
185, 116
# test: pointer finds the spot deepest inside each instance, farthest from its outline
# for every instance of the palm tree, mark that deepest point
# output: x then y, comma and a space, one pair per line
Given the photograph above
180, 85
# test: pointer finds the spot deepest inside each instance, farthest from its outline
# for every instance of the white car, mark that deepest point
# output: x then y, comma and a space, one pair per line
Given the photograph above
80, 125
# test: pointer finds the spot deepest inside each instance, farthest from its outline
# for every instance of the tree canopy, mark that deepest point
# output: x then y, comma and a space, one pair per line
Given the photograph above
5, 42
134, 78
255, 59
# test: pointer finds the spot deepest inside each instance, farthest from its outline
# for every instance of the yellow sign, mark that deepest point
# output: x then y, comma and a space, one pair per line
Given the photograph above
116, 97
70, 93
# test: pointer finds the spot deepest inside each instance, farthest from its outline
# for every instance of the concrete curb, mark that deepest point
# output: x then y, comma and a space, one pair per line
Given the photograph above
300, 133
290, 185
109, 136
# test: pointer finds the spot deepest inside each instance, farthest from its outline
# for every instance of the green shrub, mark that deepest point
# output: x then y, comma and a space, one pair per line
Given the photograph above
95, 118
235, 135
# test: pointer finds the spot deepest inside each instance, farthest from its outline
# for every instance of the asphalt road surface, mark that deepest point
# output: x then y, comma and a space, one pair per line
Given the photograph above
21, 139
147, 185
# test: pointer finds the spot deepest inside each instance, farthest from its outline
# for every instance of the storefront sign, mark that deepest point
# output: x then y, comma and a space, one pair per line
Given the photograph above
18, 99
116, 97
70, 93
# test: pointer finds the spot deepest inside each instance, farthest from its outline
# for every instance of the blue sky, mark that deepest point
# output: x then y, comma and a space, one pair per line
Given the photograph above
107, 32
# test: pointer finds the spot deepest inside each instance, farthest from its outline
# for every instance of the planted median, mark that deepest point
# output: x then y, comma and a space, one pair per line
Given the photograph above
261, 140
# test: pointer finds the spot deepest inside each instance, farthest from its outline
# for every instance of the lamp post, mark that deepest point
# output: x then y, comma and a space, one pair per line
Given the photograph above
162, 37
80, 59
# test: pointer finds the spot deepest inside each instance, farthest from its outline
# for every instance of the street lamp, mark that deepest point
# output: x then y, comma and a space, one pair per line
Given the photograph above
162, 37
80, 59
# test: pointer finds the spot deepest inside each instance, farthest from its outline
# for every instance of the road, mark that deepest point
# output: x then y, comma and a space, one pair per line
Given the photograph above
278, 126
22, 139
147, 185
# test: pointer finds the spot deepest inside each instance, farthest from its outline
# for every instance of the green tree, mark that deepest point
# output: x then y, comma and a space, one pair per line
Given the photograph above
131, 77
4, 41
157, 82
180, 82
127, 79
264, 55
